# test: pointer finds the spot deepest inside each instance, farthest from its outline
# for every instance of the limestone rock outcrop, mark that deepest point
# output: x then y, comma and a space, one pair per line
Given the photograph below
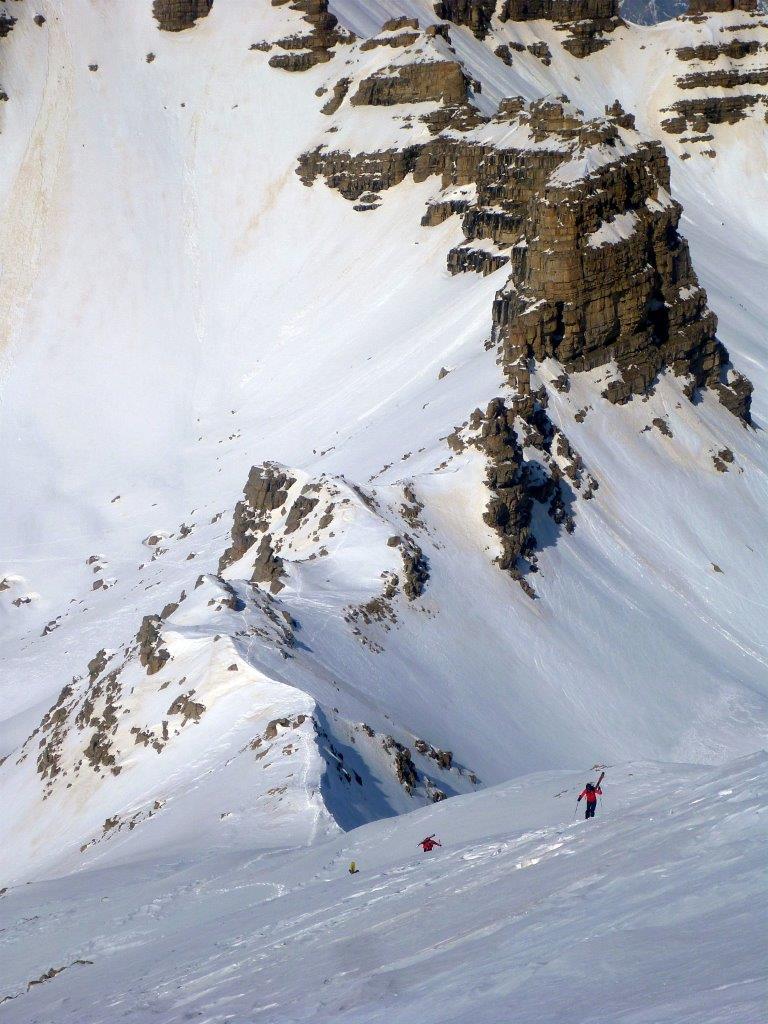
306, 49
585, 22
732, 90
475, 14
438, 81
177, 15
698, 7
265, 491
509, 510
599, 273
152, 652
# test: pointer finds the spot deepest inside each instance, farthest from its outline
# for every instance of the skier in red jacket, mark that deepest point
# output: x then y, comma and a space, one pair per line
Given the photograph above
429, 843
590, 793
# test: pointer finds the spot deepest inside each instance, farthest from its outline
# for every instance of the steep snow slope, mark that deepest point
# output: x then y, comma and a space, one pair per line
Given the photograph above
196, 309
196, 699
655, 911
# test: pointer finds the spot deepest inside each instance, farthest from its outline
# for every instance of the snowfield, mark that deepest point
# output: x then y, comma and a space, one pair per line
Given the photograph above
180, 797
653, 913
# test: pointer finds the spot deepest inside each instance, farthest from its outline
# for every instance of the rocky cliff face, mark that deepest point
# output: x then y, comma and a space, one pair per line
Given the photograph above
723, 79
177, 15
604, 277
584, 22
699, 7
580, 212
475, 14
314, 41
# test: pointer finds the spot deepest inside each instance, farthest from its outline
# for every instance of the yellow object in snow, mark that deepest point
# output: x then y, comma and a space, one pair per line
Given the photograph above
353, 868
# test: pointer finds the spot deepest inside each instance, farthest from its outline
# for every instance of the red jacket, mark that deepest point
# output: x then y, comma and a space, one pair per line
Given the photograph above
428, 844
591, 795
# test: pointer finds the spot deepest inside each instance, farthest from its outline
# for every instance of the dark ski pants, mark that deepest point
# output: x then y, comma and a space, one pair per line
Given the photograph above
590, 813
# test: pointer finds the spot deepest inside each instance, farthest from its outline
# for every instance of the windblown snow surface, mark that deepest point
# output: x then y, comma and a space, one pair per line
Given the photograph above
177, 307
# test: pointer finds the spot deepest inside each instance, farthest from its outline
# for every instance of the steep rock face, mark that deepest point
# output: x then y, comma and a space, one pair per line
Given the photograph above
177, 15
697, 7
606, 277
306, 49
585, 21
433, 82
729, 91
475, 14
580, 211
510, 507
599, 273
265, 491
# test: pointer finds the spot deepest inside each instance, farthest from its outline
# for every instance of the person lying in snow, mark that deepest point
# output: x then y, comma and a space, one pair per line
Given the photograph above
590, 794
429, 843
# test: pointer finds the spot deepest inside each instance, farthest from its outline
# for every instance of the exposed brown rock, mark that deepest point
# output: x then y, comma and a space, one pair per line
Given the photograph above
340, 90
187, 708
268, 566
444, 758
475, 14
698, 7
54, 971
99, 751
152, 653
405, 769
415, 571
316, 46
438, 81
542, 51
283, 723
463, 258
634, 299
396, 32
735, 49
265, 492
299, 511
97, 665
586, 21
706, 110
724, 78
177, 15
616, 113
509, 510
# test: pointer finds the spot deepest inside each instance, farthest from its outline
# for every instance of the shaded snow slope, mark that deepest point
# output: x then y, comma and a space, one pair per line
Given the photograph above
654, 911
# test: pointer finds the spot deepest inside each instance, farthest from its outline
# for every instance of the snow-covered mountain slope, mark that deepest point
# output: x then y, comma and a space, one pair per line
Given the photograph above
383, 407
654, 911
